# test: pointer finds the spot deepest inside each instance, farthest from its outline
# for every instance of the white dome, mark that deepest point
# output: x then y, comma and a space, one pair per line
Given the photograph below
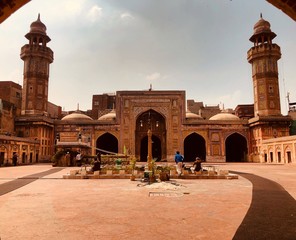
224, 116
190, 115
109, 116
76, 116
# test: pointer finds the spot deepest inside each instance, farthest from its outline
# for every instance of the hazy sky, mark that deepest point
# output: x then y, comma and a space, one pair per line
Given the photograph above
103, 46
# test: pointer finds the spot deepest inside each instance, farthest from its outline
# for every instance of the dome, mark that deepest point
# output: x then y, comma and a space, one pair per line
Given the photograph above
190, 115
109, 116
224, 116
38, 26
76, 116
262, 27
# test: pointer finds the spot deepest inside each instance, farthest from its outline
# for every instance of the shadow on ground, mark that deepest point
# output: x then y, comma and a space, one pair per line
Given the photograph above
272, 213
20, 182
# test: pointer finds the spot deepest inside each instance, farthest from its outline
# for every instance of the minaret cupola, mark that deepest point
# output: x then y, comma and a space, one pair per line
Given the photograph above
37, 34
262, 32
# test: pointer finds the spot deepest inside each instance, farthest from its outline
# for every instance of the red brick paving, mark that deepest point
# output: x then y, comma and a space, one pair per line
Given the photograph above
54, 208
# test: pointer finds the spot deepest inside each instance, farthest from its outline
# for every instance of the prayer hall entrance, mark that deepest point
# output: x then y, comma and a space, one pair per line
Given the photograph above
156, 123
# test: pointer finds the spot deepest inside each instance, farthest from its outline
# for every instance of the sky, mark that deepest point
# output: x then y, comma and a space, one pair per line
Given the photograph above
104, 46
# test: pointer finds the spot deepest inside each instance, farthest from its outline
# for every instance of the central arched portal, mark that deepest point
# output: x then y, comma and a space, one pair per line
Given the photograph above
156, 123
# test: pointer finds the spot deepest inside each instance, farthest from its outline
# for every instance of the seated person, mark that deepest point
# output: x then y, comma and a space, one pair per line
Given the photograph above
196, 165
96, 166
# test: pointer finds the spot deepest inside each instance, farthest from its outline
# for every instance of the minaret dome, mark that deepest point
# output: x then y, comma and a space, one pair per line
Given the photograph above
37, 33
262, 32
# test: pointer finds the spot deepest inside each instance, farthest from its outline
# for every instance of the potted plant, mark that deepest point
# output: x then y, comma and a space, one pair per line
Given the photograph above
164, 173
132, 167
118, 163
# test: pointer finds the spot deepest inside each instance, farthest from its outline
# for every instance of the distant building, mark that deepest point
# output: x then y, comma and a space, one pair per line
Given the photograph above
203, 111
102, 104
245, 111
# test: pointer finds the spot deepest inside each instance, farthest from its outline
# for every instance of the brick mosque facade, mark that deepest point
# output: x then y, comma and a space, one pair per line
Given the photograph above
36, 129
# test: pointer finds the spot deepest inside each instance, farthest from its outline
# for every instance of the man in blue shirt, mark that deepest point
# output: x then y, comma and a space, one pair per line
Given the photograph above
179, 161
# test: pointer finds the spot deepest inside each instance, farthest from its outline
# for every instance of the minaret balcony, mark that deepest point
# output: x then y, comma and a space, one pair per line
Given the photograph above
263, 50
36, 51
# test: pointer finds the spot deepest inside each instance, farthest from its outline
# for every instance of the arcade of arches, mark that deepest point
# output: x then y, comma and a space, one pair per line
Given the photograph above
236, 149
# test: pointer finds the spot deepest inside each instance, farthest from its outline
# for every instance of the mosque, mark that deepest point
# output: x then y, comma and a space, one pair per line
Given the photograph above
36, 129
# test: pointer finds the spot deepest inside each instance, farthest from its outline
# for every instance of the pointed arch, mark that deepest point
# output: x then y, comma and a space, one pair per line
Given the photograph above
194, 146
108, 143
156, 122
270, 154
236, 148
278, 154
288, 154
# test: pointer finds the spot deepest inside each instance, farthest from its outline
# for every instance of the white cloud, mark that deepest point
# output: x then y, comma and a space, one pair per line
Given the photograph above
126, 16
231, 100
72, 7
153, 77
95, 13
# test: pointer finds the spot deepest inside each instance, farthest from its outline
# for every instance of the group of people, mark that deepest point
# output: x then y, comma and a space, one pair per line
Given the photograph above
179, 164
96, 164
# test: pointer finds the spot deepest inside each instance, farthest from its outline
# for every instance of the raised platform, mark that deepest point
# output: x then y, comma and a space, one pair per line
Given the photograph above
98, 175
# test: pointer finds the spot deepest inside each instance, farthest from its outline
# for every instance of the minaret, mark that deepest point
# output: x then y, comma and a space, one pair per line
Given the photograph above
264, 56
37, 57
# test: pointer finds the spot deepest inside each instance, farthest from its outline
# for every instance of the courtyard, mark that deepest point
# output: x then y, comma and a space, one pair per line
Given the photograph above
37, 203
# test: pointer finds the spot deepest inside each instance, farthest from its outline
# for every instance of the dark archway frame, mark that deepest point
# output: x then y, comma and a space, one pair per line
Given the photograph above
154, 121
194, 146
236, 148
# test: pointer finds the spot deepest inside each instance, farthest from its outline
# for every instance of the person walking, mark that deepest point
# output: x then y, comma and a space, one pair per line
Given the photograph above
179, 161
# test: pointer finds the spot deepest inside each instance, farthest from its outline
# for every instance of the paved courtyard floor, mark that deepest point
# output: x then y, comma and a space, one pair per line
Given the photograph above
37, 203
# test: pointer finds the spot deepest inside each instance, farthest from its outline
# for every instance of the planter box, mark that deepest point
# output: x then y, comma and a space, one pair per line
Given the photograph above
73, 172
164, 176
223, 172
121, 172
96, 173
109, 172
